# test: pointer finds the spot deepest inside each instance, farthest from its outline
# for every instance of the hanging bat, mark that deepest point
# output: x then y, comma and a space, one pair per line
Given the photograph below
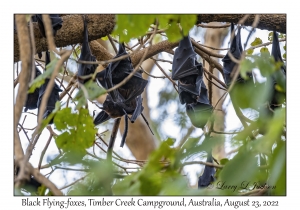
236, 50
187, 71
32, 98
86, 55
200, 111
191, 88
184, 61
54, 96
56, 23
208, 174
126, 100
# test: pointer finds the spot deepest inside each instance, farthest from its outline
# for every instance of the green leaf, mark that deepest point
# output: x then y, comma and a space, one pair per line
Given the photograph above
79, 130
46, 121
37, 82
266, 64
257, 41
89, 91
284, 55
264, 50
278, 170
246, 66
104, 38
28, 17
281, 36
284, 47
243, 167
76, 52
137, 25
223, 161
242, 94
270, 36
250, 51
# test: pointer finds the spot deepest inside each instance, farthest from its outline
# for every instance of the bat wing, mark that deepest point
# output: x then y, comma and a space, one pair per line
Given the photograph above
86, 55
184, 61
279, 76
138, 110
276, 53
189, 87
135, 87
236, 50
208, 174
32, 98
53, 98
101, 118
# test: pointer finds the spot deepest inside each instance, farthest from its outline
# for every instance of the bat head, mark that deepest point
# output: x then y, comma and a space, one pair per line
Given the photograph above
184, 61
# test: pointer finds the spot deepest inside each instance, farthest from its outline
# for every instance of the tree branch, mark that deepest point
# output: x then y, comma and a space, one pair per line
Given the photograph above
267, 21
71, 32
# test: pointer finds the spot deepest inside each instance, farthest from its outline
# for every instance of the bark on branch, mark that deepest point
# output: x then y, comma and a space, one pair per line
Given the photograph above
266, 22
71, 32
103, 24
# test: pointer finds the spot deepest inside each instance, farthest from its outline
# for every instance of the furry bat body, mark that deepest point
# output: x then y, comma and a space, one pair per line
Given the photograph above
191, 88
56, 23
125, 100
54, 96
208, 174
32, 98
86, 55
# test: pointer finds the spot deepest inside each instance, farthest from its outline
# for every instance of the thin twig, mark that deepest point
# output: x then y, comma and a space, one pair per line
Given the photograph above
24, 132
44, 151
112, 139
162, 70
215, 78
210, 53
264, 44
185, 137
69, 185
112, 43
